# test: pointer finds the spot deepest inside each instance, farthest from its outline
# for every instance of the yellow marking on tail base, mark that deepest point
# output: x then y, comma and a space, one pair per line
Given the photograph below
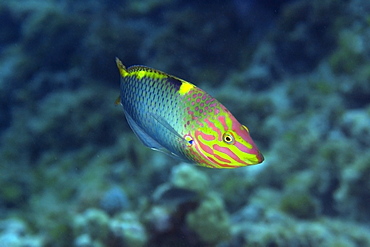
185, 87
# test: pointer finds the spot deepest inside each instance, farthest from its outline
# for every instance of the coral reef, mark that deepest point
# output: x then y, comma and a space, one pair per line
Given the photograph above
95, 228
185, 176
210, 220
114, 200
15, 233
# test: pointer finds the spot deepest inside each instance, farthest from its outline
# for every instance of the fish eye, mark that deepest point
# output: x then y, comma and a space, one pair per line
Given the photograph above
228, 138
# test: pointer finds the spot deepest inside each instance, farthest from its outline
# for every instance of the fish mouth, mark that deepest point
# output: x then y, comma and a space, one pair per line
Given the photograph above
260, 157
255, 159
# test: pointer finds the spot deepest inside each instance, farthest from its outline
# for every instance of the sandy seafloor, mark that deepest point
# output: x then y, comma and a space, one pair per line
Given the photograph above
296, 72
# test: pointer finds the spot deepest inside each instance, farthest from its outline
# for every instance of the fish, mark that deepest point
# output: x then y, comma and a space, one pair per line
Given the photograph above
173, 116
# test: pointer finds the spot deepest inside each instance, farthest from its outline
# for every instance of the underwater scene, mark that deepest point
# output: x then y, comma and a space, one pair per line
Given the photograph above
76, 165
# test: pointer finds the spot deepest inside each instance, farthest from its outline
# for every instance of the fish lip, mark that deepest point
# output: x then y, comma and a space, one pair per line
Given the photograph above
260, 157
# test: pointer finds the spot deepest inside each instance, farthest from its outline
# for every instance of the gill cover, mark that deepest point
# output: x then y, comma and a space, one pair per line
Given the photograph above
223, 143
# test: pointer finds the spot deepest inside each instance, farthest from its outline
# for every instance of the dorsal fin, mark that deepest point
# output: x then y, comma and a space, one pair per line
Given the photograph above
122, 69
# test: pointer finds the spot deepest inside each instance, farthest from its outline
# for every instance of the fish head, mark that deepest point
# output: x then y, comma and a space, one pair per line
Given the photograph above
222, 142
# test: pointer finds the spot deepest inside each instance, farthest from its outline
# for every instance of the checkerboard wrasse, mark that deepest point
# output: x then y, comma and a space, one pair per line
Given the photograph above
176, 117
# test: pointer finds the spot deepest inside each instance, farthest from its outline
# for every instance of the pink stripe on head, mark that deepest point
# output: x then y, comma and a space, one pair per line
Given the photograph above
204, 150
236, 126
209, 100
205, 136
227, 166
214, 128
249, 145
223, 122
221, 159
228, 152
207, 152
244, 148
201, 158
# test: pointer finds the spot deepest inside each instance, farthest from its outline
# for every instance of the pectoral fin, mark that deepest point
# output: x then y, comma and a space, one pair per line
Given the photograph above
149, 141
161, 121
144, 137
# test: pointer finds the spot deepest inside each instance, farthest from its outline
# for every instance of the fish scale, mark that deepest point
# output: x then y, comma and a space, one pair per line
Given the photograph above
143, 108
173, 116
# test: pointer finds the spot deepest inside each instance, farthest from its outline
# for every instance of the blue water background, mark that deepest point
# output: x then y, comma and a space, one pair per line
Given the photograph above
295, 72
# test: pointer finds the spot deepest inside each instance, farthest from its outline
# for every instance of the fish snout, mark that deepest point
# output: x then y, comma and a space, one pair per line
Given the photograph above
260, 157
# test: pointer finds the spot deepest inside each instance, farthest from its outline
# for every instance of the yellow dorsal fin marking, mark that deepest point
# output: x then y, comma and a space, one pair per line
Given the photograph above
185, 87
141, 74
121, 67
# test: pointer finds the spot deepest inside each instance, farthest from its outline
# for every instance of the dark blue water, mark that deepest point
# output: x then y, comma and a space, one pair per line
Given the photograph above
296, 73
